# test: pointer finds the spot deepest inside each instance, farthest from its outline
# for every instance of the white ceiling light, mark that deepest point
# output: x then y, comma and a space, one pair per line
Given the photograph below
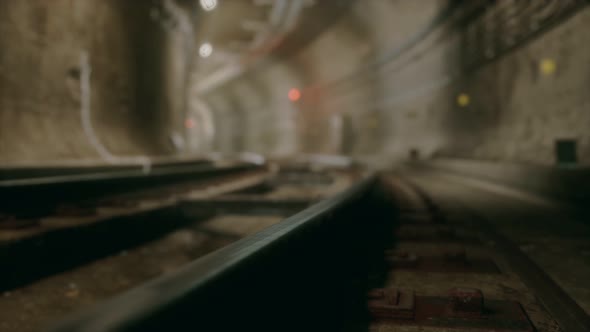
208, 5
205, 50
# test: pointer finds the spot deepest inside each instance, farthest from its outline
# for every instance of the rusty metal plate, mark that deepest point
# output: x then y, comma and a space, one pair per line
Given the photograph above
392, 303
497, 316
464, 309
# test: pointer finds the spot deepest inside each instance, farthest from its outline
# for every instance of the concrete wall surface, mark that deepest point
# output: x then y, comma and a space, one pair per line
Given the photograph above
517, 111
41, 45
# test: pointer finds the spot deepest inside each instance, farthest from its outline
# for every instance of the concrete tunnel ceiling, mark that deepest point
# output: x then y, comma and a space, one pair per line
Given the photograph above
380, 80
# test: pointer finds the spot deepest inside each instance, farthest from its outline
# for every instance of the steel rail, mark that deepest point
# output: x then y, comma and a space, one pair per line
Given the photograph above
31, 201
306, 270
34, 195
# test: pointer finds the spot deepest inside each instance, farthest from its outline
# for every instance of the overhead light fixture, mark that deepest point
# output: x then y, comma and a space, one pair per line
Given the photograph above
205, 50
208, 5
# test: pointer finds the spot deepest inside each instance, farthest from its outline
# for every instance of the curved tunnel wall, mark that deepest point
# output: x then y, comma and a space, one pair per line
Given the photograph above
384, 104
514, 113
337, 51
518, 111
254, 112
40, 48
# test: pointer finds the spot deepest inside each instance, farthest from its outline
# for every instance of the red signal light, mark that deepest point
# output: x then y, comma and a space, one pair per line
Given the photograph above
189, 123
294, 94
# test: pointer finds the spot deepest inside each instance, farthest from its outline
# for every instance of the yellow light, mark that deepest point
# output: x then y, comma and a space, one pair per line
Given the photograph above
547, 66
463, 99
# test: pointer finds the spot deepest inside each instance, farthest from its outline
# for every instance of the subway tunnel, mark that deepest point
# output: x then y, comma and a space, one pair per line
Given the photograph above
362, 165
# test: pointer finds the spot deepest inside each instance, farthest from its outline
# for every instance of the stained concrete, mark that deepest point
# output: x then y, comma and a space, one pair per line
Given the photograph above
41, 45
517, 112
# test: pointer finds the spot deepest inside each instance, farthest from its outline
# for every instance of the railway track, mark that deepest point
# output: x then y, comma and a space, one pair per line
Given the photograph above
76, 231
61, 221
382, 254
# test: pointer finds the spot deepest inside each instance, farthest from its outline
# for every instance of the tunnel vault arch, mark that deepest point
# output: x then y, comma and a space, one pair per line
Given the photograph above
141, 86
